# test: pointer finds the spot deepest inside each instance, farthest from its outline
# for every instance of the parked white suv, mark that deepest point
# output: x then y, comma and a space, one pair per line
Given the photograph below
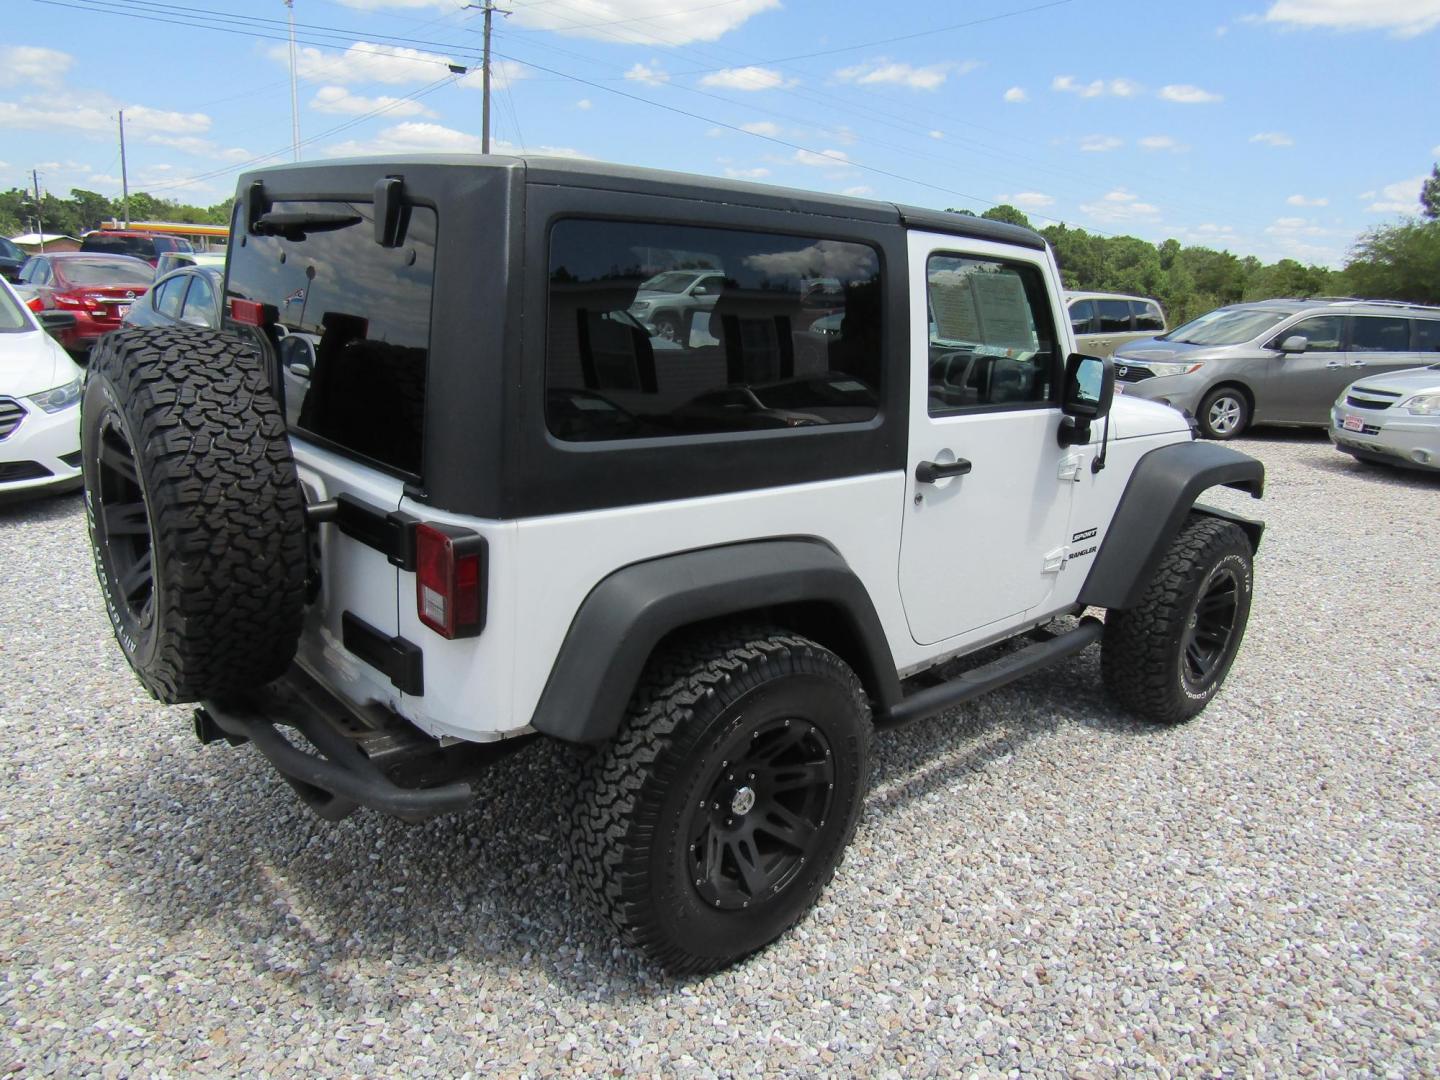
494, 507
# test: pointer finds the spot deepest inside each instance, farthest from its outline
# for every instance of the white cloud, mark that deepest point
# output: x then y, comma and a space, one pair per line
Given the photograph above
336, 99
1067, 84
758, 173
584, 104
503, 73
876, 72
33, 65
1272, 138
761, 127
650, 74
416, 137
1401, 197
824, 159
1121, 205
936, 133
1098, 144
365, 62
1016, 94
1301, 200
632, 22
747, 78
1185, 94
859, 191
1163, 142
1435, 151
1287, 223
64, 113
1404, 18
1027, 200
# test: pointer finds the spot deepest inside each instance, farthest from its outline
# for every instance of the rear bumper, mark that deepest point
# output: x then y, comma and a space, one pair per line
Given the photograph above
382, 762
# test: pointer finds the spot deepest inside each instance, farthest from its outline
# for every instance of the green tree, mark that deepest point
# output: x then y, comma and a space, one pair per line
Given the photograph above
1397, 262
1430, 195
1011, 215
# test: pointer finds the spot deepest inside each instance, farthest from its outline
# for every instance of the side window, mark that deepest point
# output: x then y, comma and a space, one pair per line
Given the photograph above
1082, 317
42, 274
1147, 316
1114, 316
168, 296
1427, 336
1323, 333
1375, 333
992, 340
199, 302
671, 330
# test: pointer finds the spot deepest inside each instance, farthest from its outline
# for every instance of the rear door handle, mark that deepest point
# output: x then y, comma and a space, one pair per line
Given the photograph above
927, 472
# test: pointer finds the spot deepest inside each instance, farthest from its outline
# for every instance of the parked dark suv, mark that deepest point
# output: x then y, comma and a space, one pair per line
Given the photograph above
141, 245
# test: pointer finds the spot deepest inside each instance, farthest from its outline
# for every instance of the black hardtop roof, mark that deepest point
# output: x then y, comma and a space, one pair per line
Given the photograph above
578, 172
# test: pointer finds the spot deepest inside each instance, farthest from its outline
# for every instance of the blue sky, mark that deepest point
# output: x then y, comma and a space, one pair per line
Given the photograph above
1268, 127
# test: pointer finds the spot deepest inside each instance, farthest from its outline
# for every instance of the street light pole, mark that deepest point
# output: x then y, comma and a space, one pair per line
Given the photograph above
489, 8
294, 97
124, 178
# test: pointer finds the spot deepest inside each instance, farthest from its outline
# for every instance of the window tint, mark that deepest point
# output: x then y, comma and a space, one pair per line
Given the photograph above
9, 250
1375, 333
1323, 333
1114, 316
1147, 316
1082, 317
200, 301
142, 247
168, 296
356, 318
1427, 335
991, 338
665, 330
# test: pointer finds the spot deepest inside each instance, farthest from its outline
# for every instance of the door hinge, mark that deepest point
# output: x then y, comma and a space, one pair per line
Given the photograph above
1072, 467
1055, 561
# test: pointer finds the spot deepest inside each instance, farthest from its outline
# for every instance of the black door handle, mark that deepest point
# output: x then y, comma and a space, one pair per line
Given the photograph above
927, 472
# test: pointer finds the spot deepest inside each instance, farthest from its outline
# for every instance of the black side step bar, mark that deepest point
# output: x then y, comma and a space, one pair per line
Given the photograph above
981, 680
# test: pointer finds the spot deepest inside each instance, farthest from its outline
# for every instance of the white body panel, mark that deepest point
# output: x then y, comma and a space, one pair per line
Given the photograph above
31, 361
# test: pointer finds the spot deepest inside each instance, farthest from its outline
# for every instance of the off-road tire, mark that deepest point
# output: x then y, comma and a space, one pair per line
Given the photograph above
1144, 659
188, 472
1232, 413
641, 796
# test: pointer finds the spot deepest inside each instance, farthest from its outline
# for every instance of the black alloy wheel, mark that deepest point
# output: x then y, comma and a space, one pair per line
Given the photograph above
122, 525
1210, 628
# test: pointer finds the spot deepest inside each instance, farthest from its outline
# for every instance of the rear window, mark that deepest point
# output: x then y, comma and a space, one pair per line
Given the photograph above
1427, 335
107, 272
672, 330
141, 247
355, 320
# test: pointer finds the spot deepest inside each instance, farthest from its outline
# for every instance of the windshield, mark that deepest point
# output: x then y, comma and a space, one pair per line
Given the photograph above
1228, 326
672, 282
11, 317
106, 271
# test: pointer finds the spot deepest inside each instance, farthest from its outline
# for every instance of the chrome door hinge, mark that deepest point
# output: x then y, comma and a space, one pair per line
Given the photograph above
1055, 561
1072, 467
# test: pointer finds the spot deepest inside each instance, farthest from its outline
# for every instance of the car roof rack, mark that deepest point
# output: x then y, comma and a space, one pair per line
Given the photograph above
1403, 304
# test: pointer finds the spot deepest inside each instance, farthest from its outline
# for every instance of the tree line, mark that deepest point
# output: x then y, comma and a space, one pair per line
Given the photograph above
1399, 261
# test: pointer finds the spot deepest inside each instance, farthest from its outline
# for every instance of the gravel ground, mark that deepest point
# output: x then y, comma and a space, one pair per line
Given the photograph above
1039, 885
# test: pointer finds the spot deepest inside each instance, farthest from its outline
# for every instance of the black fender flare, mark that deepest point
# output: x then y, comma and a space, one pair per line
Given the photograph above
803, 584
1159, 494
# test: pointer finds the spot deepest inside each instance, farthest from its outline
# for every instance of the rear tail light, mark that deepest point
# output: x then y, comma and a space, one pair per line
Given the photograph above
251, 312
450, 580
35, 304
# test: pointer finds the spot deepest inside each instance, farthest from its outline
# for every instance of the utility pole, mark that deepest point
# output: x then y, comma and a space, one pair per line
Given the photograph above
489, 8
124, 178
39, 219
294, 96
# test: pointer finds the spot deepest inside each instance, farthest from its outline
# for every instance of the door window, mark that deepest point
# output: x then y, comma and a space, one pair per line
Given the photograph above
1082, 317
992, 340
1427, 335
1374, 333
1147, 316
1322, 333
199, 302
168, 296
1114, 316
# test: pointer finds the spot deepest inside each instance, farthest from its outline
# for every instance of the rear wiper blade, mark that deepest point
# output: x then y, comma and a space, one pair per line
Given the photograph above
294, 225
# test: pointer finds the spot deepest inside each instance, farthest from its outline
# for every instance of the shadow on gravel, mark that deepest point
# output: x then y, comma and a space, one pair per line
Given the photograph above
1393, 476
39, 509
215, 845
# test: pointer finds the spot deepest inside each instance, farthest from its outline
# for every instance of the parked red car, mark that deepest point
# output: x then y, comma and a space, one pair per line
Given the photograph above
141, 245
99, 289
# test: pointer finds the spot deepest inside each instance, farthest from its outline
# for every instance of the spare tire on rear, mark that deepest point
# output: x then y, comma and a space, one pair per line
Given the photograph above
195, 511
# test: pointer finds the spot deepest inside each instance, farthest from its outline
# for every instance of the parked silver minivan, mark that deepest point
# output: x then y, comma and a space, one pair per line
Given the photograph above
1103, 322
1275, 362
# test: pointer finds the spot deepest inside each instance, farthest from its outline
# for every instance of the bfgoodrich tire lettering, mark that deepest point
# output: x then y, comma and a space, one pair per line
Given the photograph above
758, 725
195, 512
1166, 658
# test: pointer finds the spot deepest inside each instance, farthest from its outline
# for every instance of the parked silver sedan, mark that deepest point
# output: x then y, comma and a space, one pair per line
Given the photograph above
1392, 419
190, 297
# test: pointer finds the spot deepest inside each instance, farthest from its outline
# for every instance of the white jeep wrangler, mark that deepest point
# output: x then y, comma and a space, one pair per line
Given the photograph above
437, 489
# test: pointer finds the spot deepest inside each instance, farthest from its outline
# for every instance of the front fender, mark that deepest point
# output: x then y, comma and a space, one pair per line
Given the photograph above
1160, 493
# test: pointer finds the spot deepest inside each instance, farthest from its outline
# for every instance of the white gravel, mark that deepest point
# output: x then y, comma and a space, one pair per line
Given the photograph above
1039, 885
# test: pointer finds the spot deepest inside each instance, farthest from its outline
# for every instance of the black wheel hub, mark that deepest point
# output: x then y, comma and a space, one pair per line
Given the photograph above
762, 815
122, 524
1210, 630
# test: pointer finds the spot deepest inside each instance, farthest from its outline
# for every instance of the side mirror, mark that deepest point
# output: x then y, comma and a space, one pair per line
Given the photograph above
702, 290
1088, 391
56, 322
1295, 343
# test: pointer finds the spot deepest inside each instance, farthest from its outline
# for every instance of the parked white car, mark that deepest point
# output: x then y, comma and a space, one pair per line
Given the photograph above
1391, 419
39, 405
